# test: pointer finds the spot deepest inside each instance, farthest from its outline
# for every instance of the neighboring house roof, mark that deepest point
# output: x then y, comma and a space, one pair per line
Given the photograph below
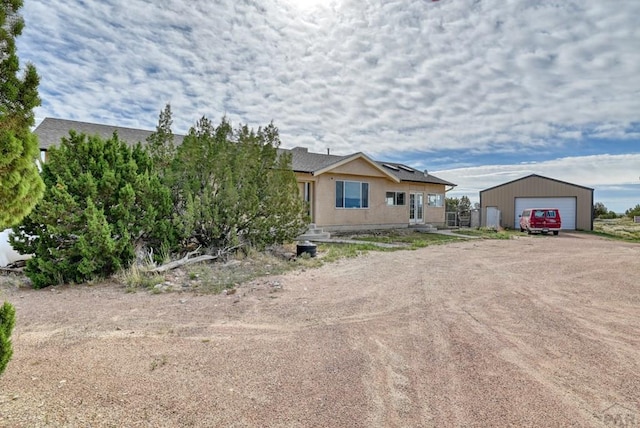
51, 131
538, 176
317, 163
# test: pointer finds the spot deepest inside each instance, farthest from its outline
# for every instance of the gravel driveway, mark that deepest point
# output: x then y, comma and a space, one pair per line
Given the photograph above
537, 331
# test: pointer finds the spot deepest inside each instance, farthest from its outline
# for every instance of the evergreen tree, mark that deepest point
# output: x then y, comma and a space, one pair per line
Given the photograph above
101, 204
202, 187
599, 210
451, 204
282, 213
231, 187
160, 145
464, 206
20, 184
7, 321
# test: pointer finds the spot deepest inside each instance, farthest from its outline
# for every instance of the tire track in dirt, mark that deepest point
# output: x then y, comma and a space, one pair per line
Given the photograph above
386, 385
471, 334
480, 355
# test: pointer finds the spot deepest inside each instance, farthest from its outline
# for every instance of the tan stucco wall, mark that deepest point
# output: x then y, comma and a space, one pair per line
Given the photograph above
359, 167
325, 214
504, 197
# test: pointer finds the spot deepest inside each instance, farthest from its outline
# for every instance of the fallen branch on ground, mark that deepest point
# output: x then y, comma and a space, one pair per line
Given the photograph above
186, 260
12, 270
182, 262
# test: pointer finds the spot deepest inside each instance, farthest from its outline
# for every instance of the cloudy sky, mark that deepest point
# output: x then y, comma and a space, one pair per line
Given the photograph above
479, 92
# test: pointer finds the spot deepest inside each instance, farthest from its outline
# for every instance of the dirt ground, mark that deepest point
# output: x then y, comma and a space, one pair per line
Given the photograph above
537, 331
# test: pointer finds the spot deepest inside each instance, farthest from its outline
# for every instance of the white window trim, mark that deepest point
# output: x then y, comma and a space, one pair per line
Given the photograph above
360, 183
395, 198
439, 198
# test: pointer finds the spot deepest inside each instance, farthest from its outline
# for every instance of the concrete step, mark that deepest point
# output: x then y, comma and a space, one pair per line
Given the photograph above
313, 233
423, 227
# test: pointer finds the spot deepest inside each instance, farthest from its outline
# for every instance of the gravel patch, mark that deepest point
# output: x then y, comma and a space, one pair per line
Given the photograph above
533, 331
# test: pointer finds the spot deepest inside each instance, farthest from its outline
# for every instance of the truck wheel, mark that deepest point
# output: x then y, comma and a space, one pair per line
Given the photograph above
555, 232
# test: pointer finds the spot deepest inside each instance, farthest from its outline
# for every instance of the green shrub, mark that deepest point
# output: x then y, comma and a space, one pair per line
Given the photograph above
100, 205
7, 321
632, 212
609, 215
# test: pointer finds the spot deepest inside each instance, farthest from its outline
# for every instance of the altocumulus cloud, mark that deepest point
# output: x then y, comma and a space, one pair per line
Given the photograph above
614, 177
383, 77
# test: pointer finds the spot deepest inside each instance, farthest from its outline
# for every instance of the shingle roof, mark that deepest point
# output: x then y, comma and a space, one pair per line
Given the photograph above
406, 173
303, 161
51, 131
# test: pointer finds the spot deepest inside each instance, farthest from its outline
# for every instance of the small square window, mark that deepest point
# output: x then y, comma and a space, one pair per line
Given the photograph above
435, 200
395, 198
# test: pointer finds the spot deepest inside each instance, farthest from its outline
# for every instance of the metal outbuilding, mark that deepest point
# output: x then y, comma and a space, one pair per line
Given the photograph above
500, 205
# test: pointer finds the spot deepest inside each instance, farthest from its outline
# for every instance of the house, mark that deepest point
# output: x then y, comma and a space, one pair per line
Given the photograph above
343, 192
356, 192
500, 205
348, 192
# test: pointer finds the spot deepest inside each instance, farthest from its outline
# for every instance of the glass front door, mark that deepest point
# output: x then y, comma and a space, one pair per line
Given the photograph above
416, 208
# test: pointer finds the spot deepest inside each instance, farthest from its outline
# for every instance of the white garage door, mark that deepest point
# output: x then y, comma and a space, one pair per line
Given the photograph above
567, 207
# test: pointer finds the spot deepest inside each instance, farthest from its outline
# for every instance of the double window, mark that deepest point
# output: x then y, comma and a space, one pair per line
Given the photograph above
435, 200
395, 198
352, 194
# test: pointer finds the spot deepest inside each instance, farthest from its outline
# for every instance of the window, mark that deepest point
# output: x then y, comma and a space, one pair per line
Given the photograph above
395, 198
307, 196
352, 194
307, 192
539, 213
435, 200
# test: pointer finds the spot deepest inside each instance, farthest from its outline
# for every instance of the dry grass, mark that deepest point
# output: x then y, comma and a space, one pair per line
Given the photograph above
216, 277
242, 267
488, 233
620, 228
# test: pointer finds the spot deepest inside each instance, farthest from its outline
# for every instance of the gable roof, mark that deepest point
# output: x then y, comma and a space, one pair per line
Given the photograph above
317, 163
353, 157
537, 176
51, 131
